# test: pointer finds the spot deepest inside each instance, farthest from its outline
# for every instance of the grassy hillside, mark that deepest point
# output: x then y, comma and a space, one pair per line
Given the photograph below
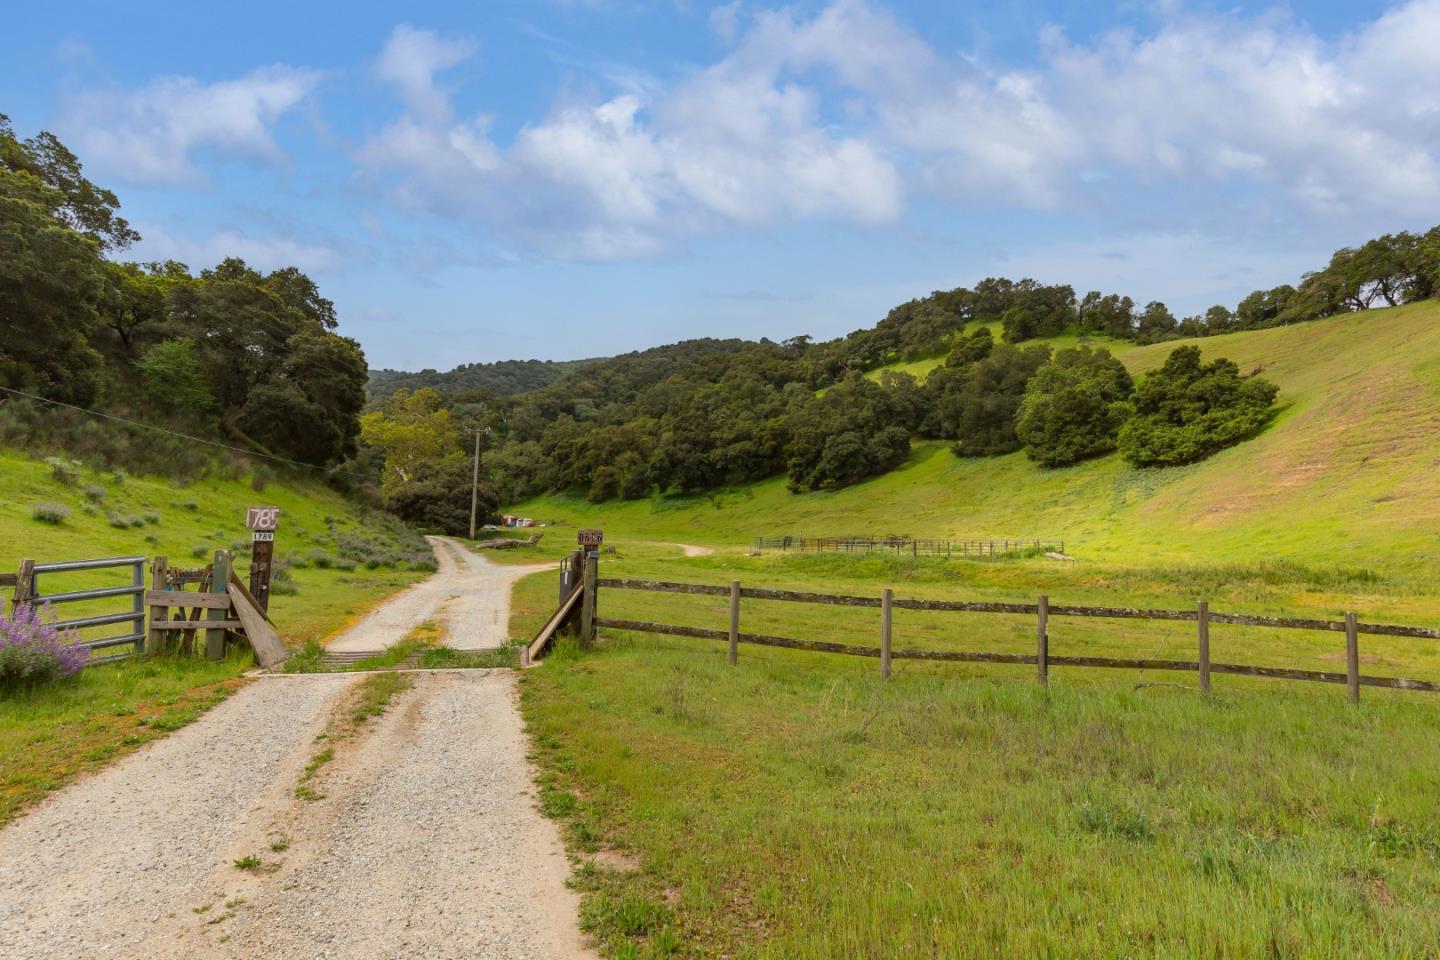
1342, 477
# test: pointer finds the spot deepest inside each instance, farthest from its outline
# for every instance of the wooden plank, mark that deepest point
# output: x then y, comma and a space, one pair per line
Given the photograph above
185, 598
886, 624
733, 654
159, 573
963, 656
238, 587
25, 582
269, 649
8, 579
164, 625
1042, 648
588, 605
562, 613
1352, 657
215, 637
1056, 610
1202, 618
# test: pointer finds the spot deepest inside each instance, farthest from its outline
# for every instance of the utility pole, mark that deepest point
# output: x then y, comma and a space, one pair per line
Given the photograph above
475, 484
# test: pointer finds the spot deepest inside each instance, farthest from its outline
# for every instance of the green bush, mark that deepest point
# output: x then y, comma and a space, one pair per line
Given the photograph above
151, 517
1186, 411
52, 513
95, 493
63, 471
1074, 406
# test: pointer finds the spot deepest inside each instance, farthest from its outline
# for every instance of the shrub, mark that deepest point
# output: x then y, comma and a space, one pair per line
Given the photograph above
1074, 407
151, 517
322, 560
95, 493
190, 505
1186, 411
200, 552
345, 564
33, 650
63, 471
52, 513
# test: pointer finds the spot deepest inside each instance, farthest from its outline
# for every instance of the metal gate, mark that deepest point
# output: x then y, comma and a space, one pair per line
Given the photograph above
27, 590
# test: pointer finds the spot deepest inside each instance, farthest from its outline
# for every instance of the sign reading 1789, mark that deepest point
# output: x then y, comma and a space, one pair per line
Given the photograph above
262, 519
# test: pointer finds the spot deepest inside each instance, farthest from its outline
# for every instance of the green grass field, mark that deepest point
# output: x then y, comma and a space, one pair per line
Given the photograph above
797, 806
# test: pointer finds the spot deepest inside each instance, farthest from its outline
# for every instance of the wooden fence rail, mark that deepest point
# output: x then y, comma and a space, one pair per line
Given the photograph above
912, 546
1042, 610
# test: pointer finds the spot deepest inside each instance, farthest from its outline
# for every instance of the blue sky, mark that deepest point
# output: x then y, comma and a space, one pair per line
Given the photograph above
473, 181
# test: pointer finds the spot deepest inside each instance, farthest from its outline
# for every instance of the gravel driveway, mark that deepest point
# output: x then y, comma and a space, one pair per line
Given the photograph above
469, 595
426, 842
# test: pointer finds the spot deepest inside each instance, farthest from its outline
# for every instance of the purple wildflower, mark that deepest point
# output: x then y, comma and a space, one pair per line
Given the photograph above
34, 650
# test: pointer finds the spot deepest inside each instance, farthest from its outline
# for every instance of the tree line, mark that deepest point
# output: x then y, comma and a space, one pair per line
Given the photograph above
253, 357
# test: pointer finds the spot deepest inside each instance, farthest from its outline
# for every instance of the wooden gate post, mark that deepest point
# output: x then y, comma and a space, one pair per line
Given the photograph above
1202, 614
734, 654
25, 582
1042, 648
220, 583
587, 602
159, 574
1352, 656
886, 600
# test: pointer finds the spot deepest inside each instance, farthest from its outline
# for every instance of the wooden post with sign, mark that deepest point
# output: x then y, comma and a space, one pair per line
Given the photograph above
262, 522
590, 541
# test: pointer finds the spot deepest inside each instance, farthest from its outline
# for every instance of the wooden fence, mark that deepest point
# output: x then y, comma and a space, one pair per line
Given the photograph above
1202, 616
221, 609
908, 546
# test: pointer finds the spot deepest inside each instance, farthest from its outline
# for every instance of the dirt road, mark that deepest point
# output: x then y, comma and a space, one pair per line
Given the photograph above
469, 595
424, 840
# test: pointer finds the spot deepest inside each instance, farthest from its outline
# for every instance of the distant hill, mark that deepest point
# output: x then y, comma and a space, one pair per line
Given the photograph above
503, 378
1344, 476
600, 377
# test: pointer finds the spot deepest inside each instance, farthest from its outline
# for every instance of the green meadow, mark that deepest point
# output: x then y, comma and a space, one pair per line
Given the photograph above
799, 806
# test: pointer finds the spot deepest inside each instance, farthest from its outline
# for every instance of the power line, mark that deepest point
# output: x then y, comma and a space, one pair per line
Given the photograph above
146, 426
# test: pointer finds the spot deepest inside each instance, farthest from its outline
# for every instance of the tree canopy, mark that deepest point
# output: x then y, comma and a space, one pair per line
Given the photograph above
1187, 410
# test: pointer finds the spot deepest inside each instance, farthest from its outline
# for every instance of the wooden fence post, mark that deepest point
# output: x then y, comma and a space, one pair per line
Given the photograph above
1042, 648
159, 573
215, 639
25, 582
587, 602
734, 622
1352, 657
886, 599
1202, 613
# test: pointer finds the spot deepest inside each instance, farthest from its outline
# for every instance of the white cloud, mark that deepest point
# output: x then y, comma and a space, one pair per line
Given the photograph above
411, 59
844, 114
152, 133
262, 253
619, 178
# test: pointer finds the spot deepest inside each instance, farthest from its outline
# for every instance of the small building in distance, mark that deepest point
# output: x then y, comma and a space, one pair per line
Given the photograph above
510, 520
